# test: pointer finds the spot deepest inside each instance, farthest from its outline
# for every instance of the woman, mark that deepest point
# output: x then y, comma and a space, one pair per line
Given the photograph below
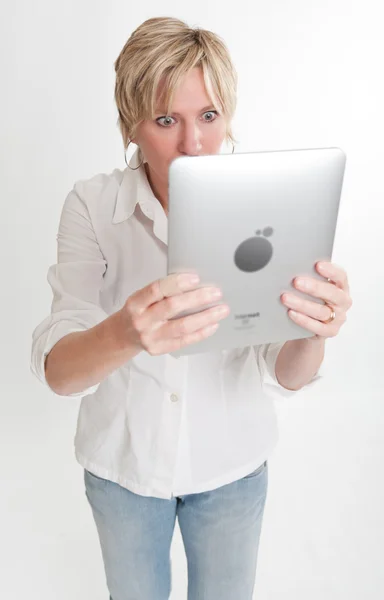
160, 437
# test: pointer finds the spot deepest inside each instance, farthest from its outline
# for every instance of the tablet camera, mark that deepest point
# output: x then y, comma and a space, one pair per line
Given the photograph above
255, 253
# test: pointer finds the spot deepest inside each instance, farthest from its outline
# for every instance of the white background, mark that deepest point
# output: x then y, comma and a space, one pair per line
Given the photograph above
310, 75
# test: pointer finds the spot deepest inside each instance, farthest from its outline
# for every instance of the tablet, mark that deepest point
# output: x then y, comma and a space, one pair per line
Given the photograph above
250, 223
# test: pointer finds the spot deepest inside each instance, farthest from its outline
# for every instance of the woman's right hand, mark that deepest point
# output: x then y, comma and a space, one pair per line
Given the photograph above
146, 315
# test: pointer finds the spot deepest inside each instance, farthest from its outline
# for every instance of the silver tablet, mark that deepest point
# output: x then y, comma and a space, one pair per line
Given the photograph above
250, 223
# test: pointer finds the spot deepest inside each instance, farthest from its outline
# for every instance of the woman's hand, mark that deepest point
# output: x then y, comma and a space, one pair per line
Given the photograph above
146, 315
334, 291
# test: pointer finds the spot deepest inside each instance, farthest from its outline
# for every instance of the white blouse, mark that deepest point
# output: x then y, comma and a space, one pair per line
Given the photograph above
158, 425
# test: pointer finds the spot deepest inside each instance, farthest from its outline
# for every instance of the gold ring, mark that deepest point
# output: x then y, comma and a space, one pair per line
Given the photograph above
333, 314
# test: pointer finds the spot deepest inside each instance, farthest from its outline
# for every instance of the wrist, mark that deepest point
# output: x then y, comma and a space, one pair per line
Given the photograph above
122, 336
316, 340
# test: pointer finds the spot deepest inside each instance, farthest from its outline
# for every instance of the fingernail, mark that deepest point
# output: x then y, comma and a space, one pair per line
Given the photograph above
216, 293
222, 310
301, 283
188, 280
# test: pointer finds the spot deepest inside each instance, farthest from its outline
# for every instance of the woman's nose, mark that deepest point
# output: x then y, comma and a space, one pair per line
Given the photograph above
190, 142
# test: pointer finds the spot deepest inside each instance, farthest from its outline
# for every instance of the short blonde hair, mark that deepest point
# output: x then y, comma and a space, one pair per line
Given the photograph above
167, 47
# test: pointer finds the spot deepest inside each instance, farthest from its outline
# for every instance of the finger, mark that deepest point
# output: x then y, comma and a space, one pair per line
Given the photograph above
170, 307
187, 325
321, 329
160, 289
321, 312
321, 289
335, 273
173, 344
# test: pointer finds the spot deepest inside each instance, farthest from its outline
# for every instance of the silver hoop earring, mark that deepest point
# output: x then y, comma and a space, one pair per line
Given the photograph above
233, 147
125, 158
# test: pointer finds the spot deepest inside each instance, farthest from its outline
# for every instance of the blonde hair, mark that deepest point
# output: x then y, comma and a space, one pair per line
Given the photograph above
167, 47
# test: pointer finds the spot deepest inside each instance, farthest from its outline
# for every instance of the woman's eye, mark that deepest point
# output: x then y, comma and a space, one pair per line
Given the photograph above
213, 114
166, 121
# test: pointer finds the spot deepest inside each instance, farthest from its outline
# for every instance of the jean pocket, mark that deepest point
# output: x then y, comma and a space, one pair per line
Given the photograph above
257, 471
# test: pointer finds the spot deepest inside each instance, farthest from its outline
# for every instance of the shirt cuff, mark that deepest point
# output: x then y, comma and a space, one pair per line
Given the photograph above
266, 356
44, 344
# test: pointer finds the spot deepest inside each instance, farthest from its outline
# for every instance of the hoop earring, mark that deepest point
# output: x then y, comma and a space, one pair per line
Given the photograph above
125, 158
233, 147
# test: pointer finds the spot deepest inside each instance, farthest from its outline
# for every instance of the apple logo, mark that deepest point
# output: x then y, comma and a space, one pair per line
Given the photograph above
255, 253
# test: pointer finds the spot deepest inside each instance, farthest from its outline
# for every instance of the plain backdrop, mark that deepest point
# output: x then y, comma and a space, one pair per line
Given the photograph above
310, 75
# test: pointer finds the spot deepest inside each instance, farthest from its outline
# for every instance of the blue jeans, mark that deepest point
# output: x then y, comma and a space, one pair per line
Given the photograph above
220, 531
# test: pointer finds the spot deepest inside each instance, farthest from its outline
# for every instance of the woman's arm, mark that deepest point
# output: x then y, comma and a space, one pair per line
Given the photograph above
298, 361
82, 359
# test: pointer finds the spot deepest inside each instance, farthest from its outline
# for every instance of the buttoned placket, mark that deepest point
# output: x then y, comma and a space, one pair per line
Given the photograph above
170, 427
174, 378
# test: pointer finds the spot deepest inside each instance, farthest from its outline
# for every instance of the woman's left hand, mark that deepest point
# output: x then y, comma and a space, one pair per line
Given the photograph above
334, 291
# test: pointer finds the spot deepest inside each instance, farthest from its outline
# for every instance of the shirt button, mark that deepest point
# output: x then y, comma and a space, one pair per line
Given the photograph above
174, 397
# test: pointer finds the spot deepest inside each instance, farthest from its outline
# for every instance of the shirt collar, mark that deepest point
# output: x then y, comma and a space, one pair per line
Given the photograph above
135, 188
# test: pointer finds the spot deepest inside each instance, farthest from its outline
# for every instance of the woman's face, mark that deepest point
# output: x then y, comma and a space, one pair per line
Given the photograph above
194, 127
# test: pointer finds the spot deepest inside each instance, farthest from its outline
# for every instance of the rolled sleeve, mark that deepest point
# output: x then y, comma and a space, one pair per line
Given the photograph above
75, 281
266, 355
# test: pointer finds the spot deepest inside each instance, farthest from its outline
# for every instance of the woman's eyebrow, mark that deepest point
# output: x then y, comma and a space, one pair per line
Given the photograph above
164, 112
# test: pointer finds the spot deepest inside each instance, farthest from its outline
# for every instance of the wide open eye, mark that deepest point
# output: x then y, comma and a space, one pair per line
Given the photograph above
167, 121
211, 112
